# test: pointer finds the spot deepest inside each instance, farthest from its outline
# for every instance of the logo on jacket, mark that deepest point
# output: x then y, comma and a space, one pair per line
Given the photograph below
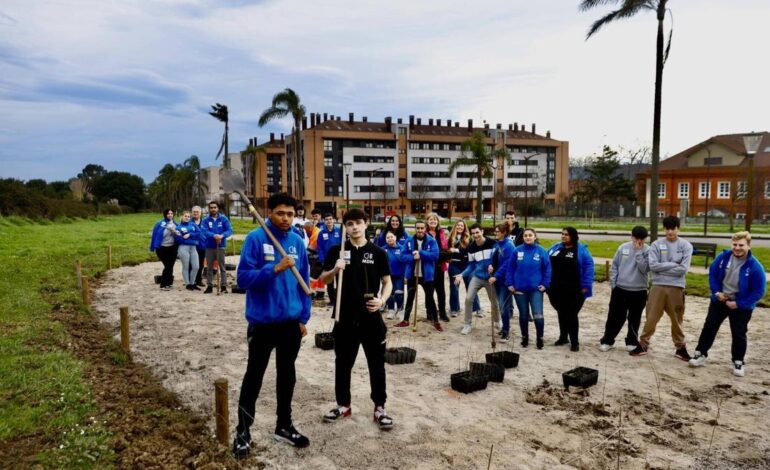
368, 258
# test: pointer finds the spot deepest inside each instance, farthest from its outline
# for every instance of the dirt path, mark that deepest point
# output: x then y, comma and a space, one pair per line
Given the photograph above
190, 339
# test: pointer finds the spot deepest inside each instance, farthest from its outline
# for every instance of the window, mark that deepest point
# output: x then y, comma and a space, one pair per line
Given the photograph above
723, 190
327, 145
445, 147
661, 214
704, 189
684, 190
767, 189
713, 161
414, 145
402, 130
328, 162
661, 190
741, 190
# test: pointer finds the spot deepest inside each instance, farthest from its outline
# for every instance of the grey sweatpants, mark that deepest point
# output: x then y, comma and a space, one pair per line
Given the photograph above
219, 254
473, 288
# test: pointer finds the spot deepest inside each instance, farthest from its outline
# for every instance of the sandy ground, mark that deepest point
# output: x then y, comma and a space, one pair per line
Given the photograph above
625, 421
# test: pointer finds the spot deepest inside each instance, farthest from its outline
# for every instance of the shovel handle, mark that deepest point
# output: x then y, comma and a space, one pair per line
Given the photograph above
343, 232
277, 245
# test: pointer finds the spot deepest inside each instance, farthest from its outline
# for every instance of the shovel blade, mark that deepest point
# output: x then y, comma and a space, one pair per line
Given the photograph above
231, 180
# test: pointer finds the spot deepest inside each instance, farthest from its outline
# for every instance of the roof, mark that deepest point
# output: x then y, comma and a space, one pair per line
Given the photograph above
732, 142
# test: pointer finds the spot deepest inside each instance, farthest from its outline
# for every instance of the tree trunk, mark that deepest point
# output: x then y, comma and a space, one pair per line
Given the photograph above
656, 123
479, 199
299, 166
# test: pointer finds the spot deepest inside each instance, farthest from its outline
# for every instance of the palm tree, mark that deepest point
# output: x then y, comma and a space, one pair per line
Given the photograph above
220, 112
474, 152
628, 9
284, 103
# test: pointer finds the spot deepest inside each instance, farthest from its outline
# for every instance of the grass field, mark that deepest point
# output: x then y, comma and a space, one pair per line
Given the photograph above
44, 392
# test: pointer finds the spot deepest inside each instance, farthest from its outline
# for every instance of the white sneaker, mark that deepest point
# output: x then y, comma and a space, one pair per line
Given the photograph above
479, 313
453, 314
738, 369
466, 330
630, 347
391, 314
605, 347
399, 315
499, 325
698, 360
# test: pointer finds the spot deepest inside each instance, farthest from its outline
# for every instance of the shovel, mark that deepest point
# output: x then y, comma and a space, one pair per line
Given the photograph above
232, 182
340, 276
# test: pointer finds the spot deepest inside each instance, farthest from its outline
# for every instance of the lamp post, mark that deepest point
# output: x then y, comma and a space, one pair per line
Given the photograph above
346, 167
751, 142
401, 192
526, 186
708, 193
371, 209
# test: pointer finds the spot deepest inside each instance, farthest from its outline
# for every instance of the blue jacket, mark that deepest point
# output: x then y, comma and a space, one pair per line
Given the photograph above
219, 226
327, 239
201, 236
501, 257
752, 281
157, 233
184, 229
528, 268
270, 297
428, 256
585, 265
480, 258
380, 239
395, 260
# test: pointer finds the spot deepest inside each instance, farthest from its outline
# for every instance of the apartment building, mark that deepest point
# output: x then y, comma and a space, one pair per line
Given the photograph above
403, 167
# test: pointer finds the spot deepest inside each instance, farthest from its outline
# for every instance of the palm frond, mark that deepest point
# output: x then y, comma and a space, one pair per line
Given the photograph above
586, 5
629, 9
271, 114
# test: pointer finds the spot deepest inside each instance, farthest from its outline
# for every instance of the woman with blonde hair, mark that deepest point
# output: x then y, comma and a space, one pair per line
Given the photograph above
459, 238
433, 228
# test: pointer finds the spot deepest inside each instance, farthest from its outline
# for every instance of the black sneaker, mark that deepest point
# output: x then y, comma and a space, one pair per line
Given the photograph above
195, 287
560, 342
291, 436
189, 287
241, 445
524, 341
639, 351
505, 336
682, 354
223, 290
444, 318
539, 343
337, 414
208, 290
574, 347
381, 417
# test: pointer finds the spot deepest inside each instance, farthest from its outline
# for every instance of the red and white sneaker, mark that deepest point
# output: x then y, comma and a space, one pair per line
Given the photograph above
402, 324
336, 414
382, 418
437, 326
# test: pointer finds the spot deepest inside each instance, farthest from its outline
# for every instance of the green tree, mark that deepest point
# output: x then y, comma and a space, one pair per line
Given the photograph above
128, 189
475, 152
284, 103
629, 9
604, 182
88, 175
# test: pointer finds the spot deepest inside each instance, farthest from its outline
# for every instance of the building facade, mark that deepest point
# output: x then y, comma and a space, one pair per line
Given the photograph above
403, 167
712, 176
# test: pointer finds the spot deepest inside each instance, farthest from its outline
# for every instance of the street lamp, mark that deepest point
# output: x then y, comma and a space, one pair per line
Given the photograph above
401, 193
751, 142
526, 186
371, 209
708, 193
346, 167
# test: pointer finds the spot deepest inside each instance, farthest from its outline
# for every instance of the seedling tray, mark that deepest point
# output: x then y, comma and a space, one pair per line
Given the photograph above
158, 278
324, 341
494, 372
468, 382
580, 377
396, 356
238, 290
507, 359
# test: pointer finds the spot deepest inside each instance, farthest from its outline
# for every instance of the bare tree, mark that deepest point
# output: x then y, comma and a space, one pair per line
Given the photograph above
420, 190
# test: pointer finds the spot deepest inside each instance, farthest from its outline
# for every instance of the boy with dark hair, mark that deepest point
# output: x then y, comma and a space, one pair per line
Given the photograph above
480, 252
315, 215
515, 232
329, 236
669, 261
216, 230
277, 310
365, 287
737, 281
629, 281
420, 254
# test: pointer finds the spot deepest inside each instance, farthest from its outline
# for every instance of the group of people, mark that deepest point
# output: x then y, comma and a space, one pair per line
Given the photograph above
192, 240
371, 277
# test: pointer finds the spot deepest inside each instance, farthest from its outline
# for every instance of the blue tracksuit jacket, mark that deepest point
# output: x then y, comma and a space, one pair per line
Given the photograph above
585, 264
480, 258
157, 233
184, 229
428, 256
752, 282
529, 267
219, 226
327, 239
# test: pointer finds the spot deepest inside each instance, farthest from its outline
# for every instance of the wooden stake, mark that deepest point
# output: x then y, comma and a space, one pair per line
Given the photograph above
85, 291
606, 270
491, 450
78, 274
109, 256
222, 411
125, 335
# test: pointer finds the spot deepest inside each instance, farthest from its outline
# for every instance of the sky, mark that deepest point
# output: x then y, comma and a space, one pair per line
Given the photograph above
127, 84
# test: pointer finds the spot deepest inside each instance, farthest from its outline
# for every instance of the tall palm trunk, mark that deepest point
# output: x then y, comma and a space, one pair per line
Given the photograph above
656, 124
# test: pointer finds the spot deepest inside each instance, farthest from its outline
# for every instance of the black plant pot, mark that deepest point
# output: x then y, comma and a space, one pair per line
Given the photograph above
158, 278
230, 267
324, 341
507, 359
468, 382
394, 356
494, 372
580, 377
238, 290
409, 355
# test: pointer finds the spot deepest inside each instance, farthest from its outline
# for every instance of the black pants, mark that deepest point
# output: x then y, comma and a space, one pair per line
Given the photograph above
430, 304
440, 288
567, 304
201, 258
347, 339
739, 325
167, 256
285, 339
624, 304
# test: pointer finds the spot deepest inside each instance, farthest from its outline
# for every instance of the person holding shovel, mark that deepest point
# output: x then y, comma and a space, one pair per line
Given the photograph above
277, 310
420, 255
328, 237
365, 287
216, 229
480, 252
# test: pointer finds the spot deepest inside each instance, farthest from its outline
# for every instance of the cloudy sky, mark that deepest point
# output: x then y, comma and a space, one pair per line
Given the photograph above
127, 83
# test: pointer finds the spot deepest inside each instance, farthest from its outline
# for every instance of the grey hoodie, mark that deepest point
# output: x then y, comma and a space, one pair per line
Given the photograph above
669, 262
630, 268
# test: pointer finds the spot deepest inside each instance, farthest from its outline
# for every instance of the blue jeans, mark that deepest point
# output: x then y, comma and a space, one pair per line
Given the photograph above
505, 302
454, 291
396, 301
525, 300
